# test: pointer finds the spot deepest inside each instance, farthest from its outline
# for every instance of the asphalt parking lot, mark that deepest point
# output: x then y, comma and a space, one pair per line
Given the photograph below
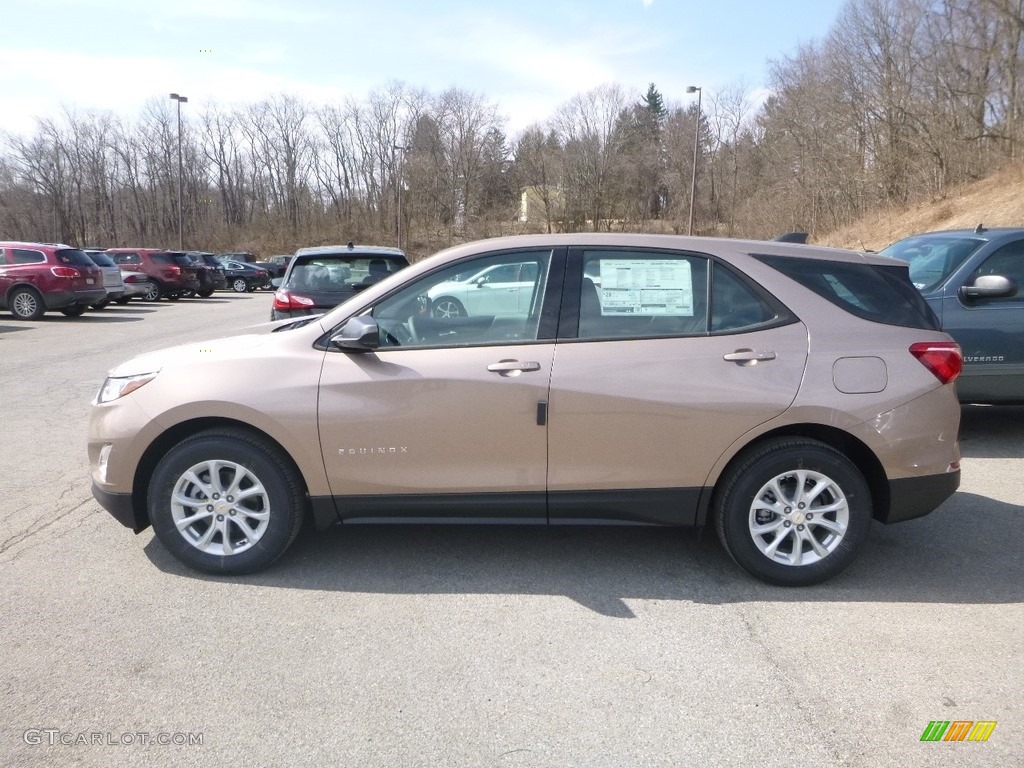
482, 646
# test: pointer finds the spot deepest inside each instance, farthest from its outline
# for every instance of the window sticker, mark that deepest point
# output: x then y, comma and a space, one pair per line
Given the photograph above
646, 287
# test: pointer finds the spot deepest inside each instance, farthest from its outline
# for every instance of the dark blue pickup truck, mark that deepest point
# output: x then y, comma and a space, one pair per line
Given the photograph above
974, 281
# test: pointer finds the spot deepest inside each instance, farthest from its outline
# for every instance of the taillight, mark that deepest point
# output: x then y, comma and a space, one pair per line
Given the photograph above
174, 271
286, 301
65, 272
942, 358
135, 278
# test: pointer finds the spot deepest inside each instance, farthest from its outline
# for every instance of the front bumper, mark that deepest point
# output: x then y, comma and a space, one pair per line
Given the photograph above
120, 506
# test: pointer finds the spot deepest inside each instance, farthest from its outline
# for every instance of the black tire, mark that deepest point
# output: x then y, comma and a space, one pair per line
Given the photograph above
123, 301
447, 307
154, 294
282, 498
26, 304
781, 459
239, 285
101, 304
205, 294
74, 311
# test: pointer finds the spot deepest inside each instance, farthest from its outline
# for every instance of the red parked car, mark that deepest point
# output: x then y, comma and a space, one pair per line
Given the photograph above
173, 273
40, 277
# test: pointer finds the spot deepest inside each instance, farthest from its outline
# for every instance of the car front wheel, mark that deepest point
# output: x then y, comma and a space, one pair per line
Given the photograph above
224, 501
793, 512
239, 285
26, 304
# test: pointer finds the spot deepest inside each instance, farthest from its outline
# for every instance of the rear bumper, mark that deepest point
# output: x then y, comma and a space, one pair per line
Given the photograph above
62, 299
137, 289
912, 497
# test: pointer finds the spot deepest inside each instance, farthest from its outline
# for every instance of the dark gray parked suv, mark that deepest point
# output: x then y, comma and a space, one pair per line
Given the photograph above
973, 281
321, 278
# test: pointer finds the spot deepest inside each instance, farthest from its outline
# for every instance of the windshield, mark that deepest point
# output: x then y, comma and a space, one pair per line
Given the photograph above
932, 258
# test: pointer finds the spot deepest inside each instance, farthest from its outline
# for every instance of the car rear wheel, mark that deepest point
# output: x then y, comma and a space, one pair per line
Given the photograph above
74, 311
26, 304
448, 307
101, 304
205, 294
793, 511
153, 294
238, 285
224, 501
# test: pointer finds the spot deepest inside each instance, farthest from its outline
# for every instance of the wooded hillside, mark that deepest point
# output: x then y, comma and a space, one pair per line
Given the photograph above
900, 103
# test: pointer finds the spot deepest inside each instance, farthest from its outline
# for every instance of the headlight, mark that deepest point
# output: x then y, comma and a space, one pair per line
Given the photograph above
119, 386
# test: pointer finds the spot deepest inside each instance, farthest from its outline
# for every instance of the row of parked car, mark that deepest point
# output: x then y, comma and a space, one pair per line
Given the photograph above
39, 277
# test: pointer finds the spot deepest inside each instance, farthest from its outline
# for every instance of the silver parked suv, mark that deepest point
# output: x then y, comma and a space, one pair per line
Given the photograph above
783, 393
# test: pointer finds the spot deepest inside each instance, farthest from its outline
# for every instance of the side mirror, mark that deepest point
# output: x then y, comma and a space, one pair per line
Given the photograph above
359, 334
989, 287
277, 281
482, 280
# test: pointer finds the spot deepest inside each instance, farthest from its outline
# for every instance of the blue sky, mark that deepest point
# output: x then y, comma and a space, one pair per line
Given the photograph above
528, 56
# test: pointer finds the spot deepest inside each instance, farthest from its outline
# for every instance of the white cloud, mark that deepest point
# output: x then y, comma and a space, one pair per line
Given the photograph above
123, 84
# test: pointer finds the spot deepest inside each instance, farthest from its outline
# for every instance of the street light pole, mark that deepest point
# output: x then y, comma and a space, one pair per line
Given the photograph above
401, 174
696, 139
181, 100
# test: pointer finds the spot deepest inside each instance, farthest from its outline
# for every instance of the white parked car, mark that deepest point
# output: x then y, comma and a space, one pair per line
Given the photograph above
501, 289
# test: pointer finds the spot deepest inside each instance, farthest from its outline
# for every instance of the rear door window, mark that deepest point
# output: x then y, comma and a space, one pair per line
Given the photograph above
642, 294
26, 256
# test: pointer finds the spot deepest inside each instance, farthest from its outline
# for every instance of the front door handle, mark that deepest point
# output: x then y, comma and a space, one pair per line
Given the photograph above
748, 357
512, 367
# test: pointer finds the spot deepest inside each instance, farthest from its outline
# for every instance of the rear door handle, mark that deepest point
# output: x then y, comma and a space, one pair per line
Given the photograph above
748, 356
512, 367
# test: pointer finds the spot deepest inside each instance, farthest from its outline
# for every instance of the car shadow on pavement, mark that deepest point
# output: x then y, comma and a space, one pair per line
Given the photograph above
12, 328
959, 554
992, 431
103, 317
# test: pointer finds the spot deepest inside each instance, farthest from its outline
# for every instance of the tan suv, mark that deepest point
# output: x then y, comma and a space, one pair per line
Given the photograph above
783, 393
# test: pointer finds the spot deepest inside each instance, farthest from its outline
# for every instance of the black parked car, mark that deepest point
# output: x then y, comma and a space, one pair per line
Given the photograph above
244, 277
216, 278
321, 278
974, 281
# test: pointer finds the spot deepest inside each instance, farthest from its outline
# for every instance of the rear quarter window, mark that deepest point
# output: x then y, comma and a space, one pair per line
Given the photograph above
126, 258
881, 294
